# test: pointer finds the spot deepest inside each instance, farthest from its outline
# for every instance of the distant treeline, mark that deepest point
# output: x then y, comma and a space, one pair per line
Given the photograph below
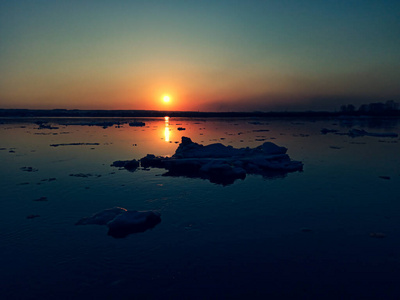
387, 108
345, 110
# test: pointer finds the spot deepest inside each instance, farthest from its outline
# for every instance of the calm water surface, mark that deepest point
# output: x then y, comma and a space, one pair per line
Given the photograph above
302, 236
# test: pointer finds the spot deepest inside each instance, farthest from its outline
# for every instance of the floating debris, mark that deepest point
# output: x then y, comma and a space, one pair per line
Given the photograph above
181, 128
385, 177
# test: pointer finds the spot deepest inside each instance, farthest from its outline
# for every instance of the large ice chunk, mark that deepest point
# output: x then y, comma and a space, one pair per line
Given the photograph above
224, 164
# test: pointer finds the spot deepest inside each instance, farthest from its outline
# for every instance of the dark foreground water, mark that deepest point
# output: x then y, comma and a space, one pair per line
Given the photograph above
329, 232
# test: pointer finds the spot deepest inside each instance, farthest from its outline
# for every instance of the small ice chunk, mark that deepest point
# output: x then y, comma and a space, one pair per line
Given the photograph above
326, 130
41, 199
29, 169
270, 148
132, 222
122, 222
32, 216
130, 165
102, 217
137, 124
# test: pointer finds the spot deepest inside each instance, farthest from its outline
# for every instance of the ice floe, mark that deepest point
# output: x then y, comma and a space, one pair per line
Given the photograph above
29, 169
41, 199
221, 164
137, 124
122, 222
360, 132
84, 175
75, 144
32, 216
44, 125
130, 165
326, 130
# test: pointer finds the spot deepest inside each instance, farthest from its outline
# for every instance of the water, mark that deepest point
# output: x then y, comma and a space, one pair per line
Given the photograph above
303, 236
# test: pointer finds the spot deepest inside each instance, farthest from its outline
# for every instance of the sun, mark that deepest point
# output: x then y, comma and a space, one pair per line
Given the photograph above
166, 98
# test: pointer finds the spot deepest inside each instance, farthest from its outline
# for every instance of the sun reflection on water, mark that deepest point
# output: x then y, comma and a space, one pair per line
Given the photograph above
166, 130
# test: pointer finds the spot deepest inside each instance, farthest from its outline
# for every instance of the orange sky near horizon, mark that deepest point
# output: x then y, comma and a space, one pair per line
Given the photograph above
208, 56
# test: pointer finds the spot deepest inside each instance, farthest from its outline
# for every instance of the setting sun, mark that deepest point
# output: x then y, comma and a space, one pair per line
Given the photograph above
166, 98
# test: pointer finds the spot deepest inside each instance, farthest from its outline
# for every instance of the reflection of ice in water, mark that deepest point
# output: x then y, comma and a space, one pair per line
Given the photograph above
166, 130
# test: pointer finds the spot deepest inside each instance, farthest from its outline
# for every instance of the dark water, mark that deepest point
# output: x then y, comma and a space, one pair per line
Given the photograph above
303, 236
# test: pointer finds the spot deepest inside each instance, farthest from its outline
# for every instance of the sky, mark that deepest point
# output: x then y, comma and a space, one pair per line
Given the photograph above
206, 55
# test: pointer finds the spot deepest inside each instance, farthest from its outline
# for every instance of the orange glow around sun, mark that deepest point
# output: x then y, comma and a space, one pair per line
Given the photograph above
166, 98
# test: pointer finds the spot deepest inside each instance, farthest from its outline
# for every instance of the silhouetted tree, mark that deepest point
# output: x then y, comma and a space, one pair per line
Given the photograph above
347, 108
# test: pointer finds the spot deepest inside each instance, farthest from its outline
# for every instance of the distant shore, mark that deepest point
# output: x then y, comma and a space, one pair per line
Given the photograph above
33, 113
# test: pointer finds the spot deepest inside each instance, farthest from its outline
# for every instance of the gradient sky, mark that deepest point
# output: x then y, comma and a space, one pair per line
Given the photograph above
207, 55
